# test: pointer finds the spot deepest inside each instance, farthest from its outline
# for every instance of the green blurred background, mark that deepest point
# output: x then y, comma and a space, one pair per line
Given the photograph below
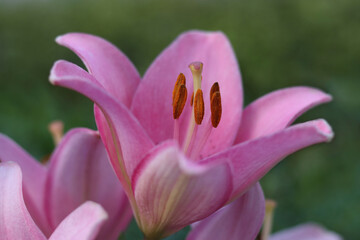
278, 44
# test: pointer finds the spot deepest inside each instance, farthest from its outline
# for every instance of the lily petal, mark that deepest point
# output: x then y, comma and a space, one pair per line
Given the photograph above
152, 100
240, 219
126, 141
106, 63
251, 160
34, 176
181, 192
16, 222
79, 170
278, 110
309, 231
84, 223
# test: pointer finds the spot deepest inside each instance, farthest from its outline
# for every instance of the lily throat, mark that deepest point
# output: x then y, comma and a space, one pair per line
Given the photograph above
192, 142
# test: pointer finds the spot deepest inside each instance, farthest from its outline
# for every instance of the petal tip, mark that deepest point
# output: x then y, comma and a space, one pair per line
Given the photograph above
53, 77
97, 209
328, 97
324, 128
55, 69
59, 38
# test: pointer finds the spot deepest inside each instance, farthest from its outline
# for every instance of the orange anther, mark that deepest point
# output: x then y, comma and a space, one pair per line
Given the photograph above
181, 80
199, 109
179, 101
192, 99
215, 88
215, 104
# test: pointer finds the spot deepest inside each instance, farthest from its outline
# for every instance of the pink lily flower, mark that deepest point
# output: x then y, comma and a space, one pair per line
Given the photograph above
229, 223
307, 231
16, 222
175, 168
241, 219
78, 171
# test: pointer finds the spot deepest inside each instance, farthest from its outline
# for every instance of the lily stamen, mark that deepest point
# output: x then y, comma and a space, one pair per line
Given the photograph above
191, 146
179, 100
199, 109
213, 121
269, 215
181, 80
56, 129
215, 105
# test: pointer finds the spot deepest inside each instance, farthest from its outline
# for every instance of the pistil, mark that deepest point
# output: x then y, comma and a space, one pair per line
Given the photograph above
196, 70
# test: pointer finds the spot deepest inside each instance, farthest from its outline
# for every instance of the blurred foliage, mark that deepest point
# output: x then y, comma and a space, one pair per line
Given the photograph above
278, 44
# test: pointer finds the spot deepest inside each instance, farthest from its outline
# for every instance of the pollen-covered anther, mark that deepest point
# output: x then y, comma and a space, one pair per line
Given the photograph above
181, 80
192, 99
199, 108
214, 88
179, 100
215, 105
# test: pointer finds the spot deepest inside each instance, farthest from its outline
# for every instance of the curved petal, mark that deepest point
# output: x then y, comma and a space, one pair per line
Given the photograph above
243, 217
34, 175
277, 110
106, 63
251, 160
126, 141
16, 222
181, 192
83, 223
152, 103
79, 171
308, 231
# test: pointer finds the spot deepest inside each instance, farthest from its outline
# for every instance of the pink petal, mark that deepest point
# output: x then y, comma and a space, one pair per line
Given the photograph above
84, 223
308, 231
15, 220
251, 160
106, 63
277, 110
79, 170
126, 143
181, 192
34, 175
152, 103
243, 217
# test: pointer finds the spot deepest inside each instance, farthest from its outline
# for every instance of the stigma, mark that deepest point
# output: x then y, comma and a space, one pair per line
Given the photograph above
192, 144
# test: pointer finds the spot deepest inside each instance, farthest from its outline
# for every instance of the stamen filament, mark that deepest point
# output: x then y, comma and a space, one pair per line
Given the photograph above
196, 149
192, 141
189, 133
176, 130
